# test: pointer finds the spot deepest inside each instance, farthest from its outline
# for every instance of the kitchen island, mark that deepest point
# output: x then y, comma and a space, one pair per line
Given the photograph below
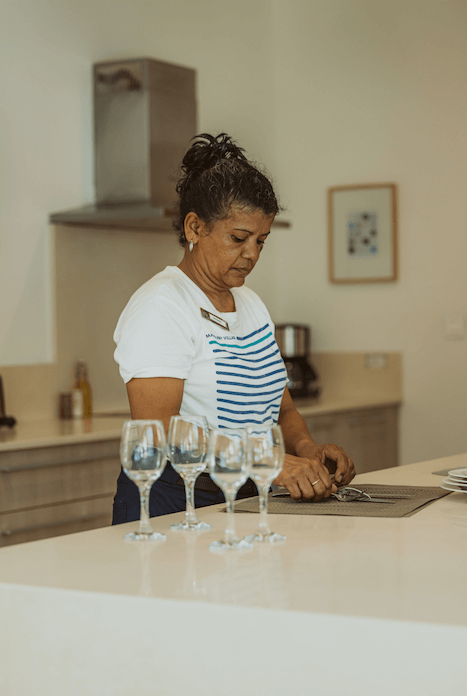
347, 605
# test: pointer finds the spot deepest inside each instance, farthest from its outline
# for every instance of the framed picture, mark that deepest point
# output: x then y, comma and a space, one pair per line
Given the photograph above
362, 233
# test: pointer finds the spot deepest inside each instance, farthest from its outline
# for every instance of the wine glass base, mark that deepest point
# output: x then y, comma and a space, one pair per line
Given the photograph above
269, 538
223, 545
190, 526
145, 536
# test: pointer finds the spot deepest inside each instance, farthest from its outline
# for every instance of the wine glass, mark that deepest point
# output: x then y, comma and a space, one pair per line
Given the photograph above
267, 458
229, 467
187, 445
143, 453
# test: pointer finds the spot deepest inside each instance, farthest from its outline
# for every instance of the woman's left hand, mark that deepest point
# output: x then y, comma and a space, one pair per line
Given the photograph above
305, 473
336, 461
308, 477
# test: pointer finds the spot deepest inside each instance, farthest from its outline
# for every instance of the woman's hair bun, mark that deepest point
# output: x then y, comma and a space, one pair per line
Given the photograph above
216, 175
207, 150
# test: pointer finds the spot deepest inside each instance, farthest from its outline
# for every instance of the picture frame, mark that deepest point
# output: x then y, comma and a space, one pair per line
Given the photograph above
362, 233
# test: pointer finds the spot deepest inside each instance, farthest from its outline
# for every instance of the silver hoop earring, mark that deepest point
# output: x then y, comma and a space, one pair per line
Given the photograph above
190, 246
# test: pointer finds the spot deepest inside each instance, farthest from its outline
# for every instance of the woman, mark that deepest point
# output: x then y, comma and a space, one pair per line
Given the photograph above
195, 340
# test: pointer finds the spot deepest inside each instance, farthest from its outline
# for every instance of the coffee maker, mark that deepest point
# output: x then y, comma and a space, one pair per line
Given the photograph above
294, 344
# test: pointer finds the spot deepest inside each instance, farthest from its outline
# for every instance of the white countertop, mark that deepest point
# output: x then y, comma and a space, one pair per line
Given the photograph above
51, 432
379, 602
321, 405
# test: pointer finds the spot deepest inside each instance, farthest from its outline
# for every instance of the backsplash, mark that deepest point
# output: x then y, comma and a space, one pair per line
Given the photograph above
96, 272
346, 375
32, 391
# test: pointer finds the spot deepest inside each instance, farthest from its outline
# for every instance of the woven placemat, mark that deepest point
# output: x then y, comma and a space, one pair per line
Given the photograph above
419, 497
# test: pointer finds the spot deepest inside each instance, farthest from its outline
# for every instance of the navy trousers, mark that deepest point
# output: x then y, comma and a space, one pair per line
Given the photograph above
166, 496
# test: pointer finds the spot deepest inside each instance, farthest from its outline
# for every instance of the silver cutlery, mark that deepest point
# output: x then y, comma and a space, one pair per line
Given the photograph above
352, 493
348, 494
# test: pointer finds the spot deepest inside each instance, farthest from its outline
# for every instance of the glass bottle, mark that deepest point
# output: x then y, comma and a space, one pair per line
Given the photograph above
83, 387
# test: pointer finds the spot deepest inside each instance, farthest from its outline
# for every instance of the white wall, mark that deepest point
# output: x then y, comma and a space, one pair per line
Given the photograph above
47, 48
375, 91
324, 92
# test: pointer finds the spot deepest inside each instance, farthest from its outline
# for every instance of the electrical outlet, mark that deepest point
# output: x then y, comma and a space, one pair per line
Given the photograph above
376, 361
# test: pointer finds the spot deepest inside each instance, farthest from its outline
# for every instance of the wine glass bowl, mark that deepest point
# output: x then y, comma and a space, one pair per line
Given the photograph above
267, 453
229, 467
187, 445
143, 453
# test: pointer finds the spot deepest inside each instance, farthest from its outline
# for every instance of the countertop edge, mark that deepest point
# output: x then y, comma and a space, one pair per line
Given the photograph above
56, 433
309, 408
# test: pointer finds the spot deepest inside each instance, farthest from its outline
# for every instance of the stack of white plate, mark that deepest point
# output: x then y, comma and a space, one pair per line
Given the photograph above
456, 481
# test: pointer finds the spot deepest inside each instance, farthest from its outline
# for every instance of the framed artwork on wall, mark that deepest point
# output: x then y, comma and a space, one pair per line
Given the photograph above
362, 233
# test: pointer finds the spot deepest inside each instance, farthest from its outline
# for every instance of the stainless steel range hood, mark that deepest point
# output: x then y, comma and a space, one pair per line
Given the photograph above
144, 118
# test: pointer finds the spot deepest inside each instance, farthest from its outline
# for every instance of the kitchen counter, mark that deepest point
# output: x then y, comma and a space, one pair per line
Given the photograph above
347, 605
313, 407
50, 432
59, 476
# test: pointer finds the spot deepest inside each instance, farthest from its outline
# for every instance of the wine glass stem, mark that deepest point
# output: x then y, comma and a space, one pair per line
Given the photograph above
230, 533
144, 525
263, 509
190, 515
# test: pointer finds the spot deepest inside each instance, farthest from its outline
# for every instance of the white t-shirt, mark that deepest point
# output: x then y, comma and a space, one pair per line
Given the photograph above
234, 377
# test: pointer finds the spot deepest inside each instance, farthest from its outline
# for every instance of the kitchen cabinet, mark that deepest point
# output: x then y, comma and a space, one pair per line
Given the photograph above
54, 490
370, 436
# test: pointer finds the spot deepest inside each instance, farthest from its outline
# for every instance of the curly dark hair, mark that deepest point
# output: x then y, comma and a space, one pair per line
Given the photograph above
216, 175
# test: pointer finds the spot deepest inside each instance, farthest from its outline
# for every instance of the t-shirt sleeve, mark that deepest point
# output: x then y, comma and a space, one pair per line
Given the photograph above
154, 339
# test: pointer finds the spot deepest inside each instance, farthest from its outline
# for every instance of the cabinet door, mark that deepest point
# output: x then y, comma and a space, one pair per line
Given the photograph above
55, 520
53, 475
49, 491
368, 436
372, 438
324, 429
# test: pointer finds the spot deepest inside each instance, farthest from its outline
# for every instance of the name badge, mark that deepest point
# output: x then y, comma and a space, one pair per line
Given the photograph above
214, 318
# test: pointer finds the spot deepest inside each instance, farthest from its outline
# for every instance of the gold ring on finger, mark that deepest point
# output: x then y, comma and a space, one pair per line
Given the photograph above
315, 482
